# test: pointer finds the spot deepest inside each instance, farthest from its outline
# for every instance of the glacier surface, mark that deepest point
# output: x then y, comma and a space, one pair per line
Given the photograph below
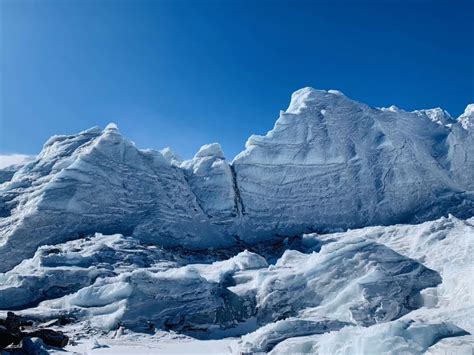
295, 246
364, 291
329, 163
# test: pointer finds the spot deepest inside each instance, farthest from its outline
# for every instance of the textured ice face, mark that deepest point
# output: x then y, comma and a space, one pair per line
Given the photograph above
329, 163
333, 162
57, 270
11, 163
171, 156
437, 115
210, 150
98, 181
211, 180
445, 245
398, 337
354, 281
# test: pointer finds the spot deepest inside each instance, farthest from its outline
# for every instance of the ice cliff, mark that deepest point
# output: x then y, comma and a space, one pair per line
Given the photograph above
292, 247
329, 163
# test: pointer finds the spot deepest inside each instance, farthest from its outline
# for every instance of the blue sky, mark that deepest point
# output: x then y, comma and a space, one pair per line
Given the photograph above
185, 73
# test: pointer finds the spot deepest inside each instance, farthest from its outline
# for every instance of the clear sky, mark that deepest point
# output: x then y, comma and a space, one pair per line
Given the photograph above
185, 73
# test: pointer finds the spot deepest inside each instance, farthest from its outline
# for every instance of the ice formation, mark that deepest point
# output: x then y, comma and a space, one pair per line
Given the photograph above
259, 254
329, 163
333, 162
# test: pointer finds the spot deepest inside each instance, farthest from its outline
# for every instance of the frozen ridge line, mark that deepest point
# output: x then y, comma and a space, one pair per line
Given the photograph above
329, 163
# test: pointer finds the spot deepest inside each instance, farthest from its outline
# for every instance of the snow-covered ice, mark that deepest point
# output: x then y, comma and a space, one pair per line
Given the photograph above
376, 290
329, 163
295, 246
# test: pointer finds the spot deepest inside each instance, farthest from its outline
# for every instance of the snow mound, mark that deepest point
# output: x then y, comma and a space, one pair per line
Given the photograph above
364, 291
13, 161
58, 270
192, 298
114, 280
437, 115
443, 323
210, 150
265, 338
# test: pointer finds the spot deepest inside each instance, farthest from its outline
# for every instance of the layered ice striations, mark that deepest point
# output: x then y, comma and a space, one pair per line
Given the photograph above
329, 163
333, 162
211, 180
97, 181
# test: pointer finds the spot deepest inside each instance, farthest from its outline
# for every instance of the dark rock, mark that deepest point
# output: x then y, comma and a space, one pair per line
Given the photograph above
7, 337
50, 337
14, 322
12, 332
34, 346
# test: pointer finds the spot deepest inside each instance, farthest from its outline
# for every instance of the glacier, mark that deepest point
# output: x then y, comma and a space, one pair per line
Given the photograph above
346, 229
384, 166
363, 291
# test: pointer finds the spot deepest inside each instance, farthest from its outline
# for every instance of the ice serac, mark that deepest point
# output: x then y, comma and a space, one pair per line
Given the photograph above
331, 162
467, 118
437, 115
171, 156
211, 180
460, 156
97, 181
